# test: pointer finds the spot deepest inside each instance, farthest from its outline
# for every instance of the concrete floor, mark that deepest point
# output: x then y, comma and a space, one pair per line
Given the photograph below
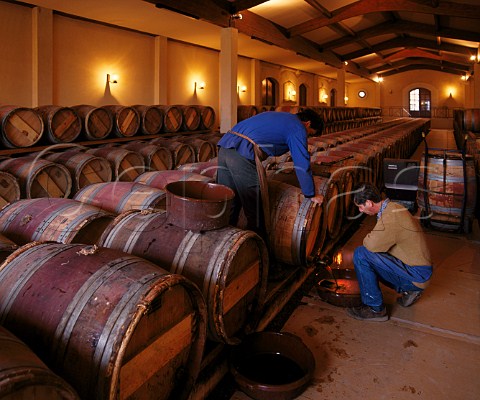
428, 351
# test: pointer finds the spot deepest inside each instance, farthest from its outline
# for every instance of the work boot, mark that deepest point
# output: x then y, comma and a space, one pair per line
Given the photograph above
367, 313
409, 297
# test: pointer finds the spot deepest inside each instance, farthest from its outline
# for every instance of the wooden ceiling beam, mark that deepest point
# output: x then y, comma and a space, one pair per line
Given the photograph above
426, 62
404, 27
414, 67
363, 7
411, 42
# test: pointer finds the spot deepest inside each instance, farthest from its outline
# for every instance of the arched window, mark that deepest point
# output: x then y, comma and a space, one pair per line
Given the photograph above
269, 92
420, 103
333, 97
302, 95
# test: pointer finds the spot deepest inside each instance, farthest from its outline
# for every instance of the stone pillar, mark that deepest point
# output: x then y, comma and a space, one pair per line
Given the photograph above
228, 78
42, 56
160, 94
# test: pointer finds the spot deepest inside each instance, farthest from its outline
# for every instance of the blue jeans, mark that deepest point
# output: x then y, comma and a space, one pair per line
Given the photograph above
371, 268
240, 174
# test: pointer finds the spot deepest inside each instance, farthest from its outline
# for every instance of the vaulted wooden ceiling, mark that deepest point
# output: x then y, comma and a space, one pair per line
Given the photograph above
369, 37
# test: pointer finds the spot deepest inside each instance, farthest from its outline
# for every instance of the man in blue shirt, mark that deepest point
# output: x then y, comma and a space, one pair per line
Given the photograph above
275, 133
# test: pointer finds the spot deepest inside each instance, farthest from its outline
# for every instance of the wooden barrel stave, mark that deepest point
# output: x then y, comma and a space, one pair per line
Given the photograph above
126, 165
84, 168
443, 192
38, 177
207, 117
151, 119
118, 197
9, 188
118, 326
160, 179
157, 158
20, 126
53, 219
295, 221
227, 264
173, 118
97, 122
182, 153
24, 376
191, 117
126, 121
62, 124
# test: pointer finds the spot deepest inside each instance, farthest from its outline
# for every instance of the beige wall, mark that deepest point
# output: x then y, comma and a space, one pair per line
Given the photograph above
188, 64
244, 78
16, 55
85, 52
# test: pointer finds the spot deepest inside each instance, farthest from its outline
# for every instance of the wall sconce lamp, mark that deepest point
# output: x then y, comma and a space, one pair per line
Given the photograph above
325, 96
112, 78
464, 77
346, 99
292, 94
241, 89
379, 79
199, 85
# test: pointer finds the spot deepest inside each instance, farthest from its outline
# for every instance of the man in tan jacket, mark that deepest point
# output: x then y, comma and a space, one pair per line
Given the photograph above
394, 252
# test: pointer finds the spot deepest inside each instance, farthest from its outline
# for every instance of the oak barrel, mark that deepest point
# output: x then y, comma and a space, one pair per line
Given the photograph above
344, 171
58, 220
7, 247
84, 168
295, 223
21, 126
62, 124
443, 189
204, 150
9, 188
207, 168
160, 179
332, 204
117, 197
157, 158
173, 118
229, 265
113, 325
126, 121
24, 376
191, 118
471, 119
38, 177
97, 122
207, 117
182, 153
244, 112
126, 165
151, 119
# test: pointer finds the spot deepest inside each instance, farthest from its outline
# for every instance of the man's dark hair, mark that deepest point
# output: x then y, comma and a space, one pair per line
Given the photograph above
366, 191
316, 122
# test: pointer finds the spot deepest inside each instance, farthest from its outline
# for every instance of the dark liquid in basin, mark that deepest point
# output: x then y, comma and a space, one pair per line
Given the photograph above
270, 369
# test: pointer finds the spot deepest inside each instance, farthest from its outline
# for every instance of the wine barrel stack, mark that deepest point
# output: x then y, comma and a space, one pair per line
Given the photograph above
124, 242
466, 125
335, 119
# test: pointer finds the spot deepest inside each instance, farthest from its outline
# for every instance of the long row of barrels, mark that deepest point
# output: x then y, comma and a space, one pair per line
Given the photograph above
335, 118
51, 124
62, 170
